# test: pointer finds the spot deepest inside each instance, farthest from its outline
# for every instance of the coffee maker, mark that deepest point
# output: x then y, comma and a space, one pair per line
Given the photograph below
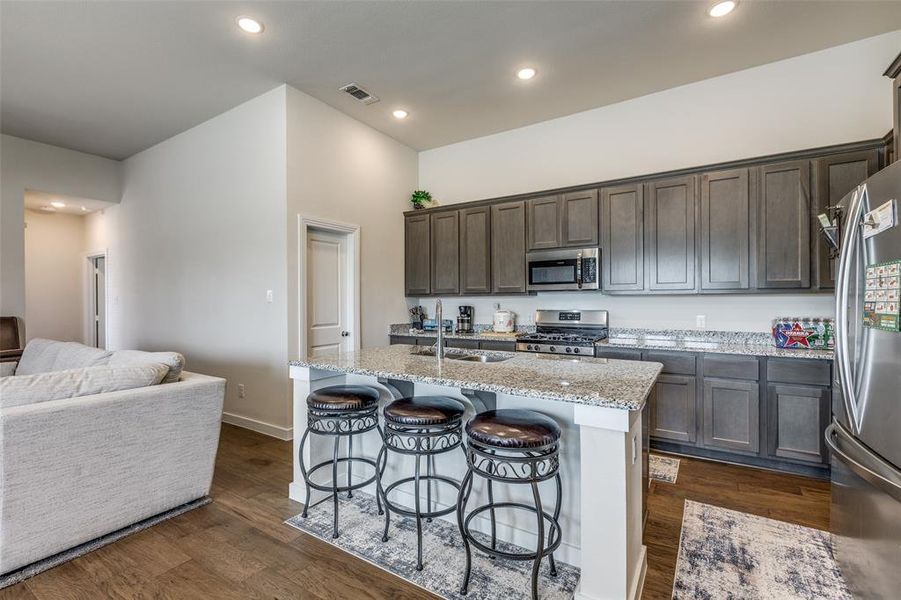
465, 319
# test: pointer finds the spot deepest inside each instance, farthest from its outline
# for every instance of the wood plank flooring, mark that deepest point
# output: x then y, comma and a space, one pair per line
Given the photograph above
238, 548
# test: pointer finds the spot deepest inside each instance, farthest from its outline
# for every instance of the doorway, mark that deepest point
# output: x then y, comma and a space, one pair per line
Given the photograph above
97, 300
329, 282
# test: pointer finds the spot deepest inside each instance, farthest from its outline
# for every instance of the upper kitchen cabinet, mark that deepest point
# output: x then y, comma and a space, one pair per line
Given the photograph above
417, 255
580, 219
475, 250
508, 247
725, 230
835, 176
669, 222
545, 222
894, 72
622, 238
784, 225
445, 239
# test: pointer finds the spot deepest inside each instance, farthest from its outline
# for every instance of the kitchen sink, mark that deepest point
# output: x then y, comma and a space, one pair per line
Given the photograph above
463, 356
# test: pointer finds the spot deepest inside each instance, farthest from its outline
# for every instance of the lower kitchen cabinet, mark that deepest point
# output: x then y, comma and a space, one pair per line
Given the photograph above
468, 344
731, 414
673, 408
797, 417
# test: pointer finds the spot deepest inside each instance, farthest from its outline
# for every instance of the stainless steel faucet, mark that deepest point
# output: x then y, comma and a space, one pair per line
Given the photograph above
439, 343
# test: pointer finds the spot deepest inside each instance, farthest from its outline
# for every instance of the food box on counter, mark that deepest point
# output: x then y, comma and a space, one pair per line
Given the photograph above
803, 332
882, 296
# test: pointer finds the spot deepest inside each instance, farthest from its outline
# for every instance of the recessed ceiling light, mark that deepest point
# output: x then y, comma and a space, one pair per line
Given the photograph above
721, 9
526, 73
58, 204
250, 25
400, 114
84, 209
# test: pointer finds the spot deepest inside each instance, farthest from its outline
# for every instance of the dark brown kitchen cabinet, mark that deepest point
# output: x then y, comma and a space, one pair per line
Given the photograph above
894, 71
445, 238
508, 247
731, 414
784, 225
545, 222
417, 255
725, 230
835, 176
798, 415
580, 219
622, 238
475, 250
670, 217
673, 408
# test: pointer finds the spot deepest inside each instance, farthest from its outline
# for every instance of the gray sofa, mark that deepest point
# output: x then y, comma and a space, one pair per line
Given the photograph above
92, 441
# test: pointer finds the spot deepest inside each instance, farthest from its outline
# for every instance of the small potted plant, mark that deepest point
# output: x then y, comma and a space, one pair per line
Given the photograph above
420, 198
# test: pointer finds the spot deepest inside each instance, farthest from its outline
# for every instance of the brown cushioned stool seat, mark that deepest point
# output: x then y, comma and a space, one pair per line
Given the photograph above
513, 428
424, 410
343, 397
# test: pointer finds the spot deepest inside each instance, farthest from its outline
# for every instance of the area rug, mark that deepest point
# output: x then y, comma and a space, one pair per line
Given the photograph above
730, 554
40, 566
663, 468
443, 555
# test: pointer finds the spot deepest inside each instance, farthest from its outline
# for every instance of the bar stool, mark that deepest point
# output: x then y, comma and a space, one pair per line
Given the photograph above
423, 427
340, 411
517, 447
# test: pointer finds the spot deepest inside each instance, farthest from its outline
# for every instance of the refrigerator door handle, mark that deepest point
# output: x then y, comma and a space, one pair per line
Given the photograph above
862, 462
843, 363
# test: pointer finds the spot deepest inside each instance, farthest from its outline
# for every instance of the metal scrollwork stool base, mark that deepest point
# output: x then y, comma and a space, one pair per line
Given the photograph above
340, 411
422, 427
512, 446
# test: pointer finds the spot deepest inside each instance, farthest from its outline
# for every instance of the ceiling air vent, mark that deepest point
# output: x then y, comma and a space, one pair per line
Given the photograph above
359, 93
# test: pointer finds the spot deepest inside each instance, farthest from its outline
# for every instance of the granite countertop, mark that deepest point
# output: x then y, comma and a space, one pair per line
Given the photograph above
621, 384
482, 332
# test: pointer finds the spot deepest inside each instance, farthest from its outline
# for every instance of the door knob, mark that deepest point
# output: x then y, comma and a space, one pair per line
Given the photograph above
345, 333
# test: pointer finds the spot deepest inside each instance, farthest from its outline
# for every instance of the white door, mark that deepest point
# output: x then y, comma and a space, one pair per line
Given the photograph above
327, 279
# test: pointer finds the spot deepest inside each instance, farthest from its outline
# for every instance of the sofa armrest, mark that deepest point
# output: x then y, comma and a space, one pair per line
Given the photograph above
72, 470
8, 368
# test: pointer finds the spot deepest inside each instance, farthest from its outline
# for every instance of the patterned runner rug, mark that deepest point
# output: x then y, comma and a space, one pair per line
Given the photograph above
443, 555
663, 468
730, 554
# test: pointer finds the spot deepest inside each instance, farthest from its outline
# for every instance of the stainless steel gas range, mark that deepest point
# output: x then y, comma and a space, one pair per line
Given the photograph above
573, 332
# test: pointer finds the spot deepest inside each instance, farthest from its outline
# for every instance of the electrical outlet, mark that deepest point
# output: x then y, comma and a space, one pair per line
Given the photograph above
701, 321
269, 296
240, 390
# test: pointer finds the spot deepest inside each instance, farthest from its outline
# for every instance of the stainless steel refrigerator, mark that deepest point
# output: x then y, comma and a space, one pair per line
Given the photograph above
865, 434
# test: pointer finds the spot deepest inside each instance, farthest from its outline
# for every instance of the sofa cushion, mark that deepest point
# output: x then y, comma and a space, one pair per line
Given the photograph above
173, 360
19, 390
43, 356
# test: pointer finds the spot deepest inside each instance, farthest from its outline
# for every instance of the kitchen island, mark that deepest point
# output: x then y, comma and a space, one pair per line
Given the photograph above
598, 404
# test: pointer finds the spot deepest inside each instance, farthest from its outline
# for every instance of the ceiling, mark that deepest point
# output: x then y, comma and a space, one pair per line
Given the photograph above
37, 200
113, 78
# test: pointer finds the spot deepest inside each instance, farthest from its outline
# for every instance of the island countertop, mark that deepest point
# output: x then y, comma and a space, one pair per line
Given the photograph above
621, 384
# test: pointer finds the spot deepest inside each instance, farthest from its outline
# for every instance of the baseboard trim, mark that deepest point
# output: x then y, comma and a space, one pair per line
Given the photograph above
281, 433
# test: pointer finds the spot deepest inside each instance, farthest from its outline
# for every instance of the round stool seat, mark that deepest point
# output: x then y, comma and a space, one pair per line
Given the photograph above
513, 428
343, 398
424, 410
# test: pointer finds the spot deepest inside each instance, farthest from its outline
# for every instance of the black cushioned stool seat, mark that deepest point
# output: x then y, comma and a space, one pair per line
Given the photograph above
513, 428
343, 397
424, 410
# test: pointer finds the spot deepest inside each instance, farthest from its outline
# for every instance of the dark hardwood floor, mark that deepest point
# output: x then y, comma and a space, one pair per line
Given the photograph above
238, 548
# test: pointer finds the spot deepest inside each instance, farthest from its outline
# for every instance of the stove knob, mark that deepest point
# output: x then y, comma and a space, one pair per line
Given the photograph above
528, 346
568, 349
576, 350
552, 349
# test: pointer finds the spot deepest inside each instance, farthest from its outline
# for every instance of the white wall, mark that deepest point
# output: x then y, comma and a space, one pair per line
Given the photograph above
343, 170
201, 237
54, 276
829, 97
26, 164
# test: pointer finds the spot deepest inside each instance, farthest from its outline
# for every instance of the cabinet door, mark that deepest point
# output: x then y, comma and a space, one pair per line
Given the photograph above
580, 219
725, 230
545, 223
732, 414
508, 247
834, 177
783, 225
798, 416
673, 408
417, 255
475, 250
446, 253
670, 229
622, 238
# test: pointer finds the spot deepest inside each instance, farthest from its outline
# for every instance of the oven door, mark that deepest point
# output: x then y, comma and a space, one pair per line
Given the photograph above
556, 270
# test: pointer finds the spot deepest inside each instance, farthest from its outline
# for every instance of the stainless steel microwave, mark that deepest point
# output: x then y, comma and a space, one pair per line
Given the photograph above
563, 269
